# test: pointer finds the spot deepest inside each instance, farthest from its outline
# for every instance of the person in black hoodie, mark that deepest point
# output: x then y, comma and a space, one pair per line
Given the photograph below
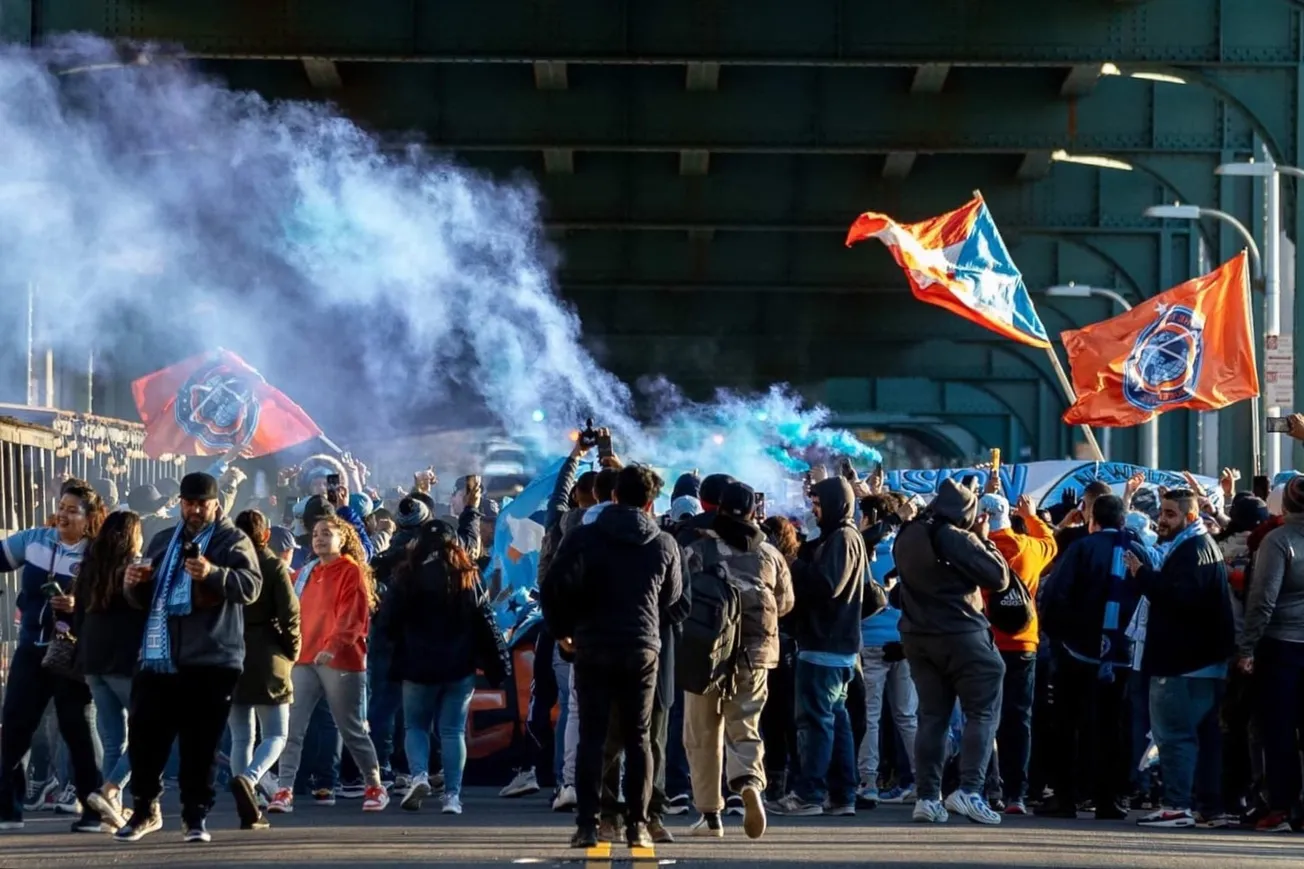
437, 616
191, 656
1190, 638
109, 629
610, 585
1093, 662
828, 583
946, 561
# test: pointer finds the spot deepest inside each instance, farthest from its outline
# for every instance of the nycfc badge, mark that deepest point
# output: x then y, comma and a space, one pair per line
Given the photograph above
218, 407
1164, 365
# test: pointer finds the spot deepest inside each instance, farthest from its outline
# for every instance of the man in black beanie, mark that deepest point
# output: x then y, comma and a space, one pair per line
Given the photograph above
198, 579
712, 490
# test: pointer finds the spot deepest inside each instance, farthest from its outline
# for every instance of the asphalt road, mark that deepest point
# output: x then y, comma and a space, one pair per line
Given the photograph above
523, 832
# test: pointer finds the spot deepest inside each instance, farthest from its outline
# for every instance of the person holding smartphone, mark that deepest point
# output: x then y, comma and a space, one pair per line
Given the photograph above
199, 578
50, 559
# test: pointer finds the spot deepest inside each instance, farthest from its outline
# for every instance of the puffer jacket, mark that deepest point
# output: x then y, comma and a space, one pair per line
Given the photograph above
762, 577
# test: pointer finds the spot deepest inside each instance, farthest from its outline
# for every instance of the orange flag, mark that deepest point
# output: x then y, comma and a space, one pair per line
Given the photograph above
1191, 347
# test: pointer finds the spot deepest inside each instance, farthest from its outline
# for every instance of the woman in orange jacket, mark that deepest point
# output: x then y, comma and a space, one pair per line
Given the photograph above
337, 595
1029, 552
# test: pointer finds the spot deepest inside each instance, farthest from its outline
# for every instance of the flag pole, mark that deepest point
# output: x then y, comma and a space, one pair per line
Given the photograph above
1072, 397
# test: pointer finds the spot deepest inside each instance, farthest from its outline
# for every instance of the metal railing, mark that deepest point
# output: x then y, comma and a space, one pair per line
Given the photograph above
36, 456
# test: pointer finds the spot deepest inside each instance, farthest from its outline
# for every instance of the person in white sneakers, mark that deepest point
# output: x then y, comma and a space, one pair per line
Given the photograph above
735, 551
437, 614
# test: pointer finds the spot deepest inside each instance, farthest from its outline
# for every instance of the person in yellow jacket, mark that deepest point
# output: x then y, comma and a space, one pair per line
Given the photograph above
1029, 551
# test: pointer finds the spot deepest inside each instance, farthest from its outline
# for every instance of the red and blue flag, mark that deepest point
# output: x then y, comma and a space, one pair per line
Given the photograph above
958, 261
210, 404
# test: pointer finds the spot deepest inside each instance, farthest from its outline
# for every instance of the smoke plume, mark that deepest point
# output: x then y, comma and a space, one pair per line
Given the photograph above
159, 214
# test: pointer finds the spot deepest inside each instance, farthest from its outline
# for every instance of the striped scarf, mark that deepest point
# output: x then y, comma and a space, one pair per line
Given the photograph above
172, 590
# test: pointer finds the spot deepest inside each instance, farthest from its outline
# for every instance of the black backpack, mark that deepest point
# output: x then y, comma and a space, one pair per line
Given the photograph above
712, 634
1008, 611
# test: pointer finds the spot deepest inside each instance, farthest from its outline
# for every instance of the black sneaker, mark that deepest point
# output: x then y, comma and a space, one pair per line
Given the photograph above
142, 823
89, 822
1055, 808
678, 804
258, 823
196, 831
246, 801
585, 837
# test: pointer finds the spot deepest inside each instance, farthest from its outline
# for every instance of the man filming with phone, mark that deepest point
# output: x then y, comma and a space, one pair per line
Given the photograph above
194, 581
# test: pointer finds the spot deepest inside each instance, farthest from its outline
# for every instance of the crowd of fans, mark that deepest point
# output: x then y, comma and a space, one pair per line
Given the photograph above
969, 656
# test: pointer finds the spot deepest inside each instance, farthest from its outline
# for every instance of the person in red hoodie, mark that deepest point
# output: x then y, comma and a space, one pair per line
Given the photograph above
1029, 551
337, 595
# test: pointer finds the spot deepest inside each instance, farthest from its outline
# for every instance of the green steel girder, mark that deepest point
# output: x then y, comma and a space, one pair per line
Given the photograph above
816, 32
849, 111
16, 23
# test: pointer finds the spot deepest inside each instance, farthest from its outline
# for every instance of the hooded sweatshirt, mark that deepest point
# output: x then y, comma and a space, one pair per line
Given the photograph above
611, 582
828, 581
945, 567
335, 615
1028, 556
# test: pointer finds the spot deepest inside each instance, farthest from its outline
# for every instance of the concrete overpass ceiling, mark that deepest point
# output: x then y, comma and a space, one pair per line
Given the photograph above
701, 161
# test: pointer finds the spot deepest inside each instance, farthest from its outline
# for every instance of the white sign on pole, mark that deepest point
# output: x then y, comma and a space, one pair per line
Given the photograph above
1279, 370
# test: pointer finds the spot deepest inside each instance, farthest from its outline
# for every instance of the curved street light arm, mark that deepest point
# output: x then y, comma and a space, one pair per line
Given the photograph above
1245, 234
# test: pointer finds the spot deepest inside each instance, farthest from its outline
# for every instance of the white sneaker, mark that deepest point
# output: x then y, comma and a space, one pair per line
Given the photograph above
973, 807
930, 812
452, 804
1168, 818
566, 799
416, 792
522, 785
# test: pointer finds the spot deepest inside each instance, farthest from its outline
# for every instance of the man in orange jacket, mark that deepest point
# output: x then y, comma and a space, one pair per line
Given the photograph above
1029, 551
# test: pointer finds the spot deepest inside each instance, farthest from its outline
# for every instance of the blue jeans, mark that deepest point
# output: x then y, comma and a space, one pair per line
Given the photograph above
274, 722
1014, 735
828, 757
1184, 720
112, 695
447, 706
561, 672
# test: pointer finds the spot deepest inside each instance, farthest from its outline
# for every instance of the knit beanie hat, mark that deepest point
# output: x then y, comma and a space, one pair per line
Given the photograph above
412, 513
997, 510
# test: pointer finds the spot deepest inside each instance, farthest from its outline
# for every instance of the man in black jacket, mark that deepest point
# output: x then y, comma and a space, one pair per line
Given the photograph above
946, 562
191, 657
610, 585
1189, 640
1085, 610
828, 584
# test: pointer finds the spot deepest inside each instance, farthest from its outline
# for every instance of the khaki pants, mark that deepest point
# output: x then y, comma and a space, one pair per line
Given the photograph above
725, 732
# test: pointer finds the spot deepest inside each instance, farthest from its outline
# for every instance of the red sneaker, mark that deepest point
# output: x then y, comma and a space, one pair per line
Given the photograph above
375, 799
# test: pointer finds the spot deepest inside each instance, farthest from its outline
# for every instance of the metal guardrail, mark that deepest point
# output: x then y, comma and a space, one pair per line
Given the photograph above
34, 461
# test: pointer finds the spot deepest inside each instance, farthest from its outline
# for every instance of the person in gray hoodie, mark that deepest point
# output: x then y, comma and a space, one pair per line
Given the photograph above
946, 561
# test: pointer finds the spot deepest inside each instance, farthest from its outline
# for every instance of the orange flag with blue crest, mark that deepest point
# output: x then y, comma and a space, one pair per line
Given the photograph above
1191, 347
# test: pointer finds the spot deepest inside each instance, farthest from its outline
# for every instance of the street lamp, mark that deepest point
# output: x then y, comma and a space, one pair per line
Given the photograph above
1271, 174
1179, 211
1149, 435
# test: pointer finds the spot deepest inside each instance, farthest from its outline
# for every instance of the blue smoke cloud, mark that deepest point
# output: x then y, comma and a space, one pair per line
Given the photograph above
159, 212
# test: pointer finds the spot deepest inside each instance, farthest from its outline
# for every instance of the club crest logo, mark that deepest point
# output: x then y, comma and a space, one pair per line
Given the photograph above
218, 406
1164, 365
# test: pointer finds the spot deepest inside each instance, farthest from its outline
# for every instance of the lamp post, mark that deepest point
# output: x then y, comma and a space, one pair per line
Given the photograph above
1149, 434
1180, 211
1271, 174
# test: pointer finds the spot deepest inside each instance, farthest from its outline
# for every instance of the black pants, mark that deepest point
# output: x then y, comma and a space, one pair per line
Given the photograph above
778, 723
29, 690
856, 710
617, 688
544, 694
1091, 732
614, 750
191, 707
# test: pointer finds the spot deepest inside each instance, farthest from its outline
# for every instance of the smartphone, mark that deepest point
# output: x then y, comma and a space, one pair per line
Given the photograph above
190, 550
1261, 486
604, 445
332, 481
1278, 425
760, 506
51, 589
970, 482
588, 435
848, 471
